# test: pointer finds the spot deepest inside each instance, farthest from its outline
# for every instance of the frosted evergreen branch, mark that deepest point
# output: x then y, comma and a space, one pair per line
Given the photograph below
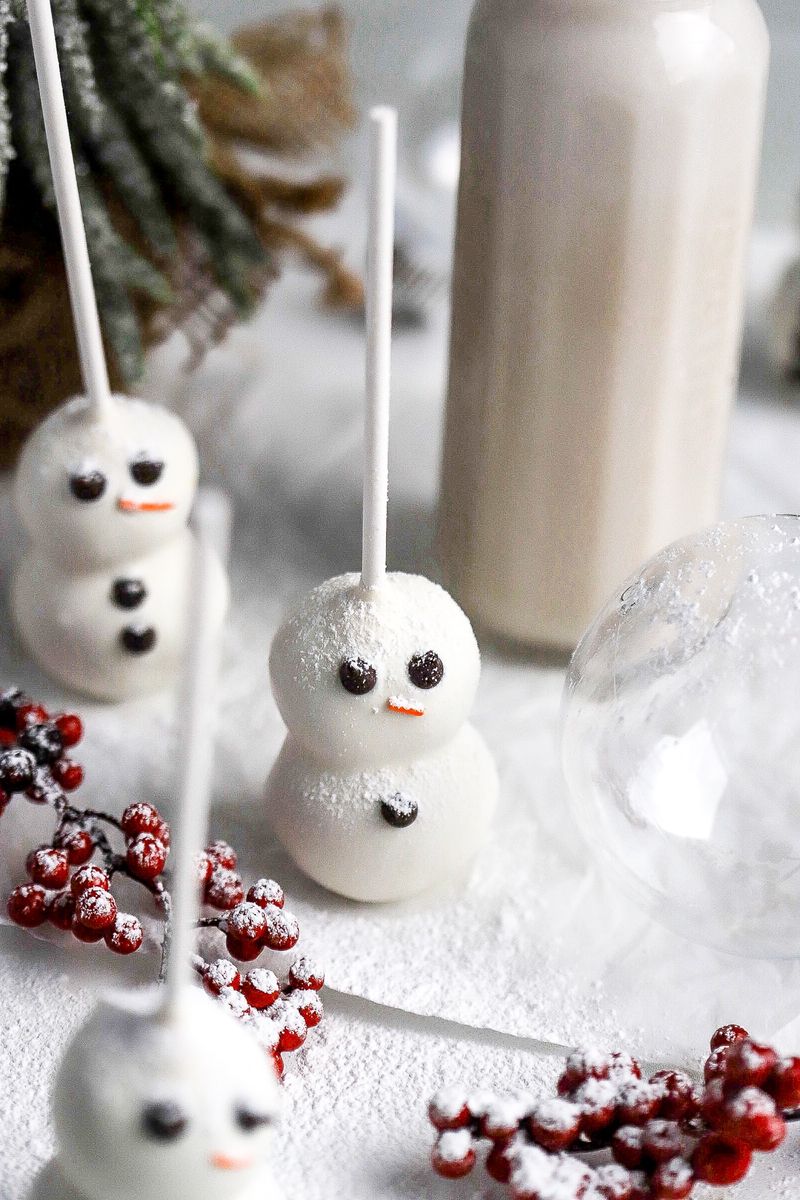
104, 133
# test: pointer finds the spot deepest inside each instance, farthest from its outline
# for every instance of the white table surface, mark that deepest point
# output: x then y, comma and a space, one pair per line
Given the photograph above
356, 1097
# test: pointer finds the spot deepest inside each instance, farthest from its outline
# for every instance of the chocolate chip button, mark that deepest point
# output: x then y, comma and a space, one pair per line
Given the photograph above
138, 639
128, 593
399, 812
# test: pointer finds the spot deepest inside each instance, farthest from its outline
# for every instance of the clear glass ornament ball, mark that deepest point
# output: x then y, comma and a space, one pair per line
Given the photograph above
681, 736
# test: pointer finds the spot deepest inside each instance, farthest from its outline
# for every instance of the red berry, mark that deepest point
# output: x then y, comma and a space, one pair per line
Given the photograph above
127, 935
246, 922
222, 855
713, 1105
303, 973
500, 1119
79, 846
282, 931
638, 1102
292, 1029
555, 1124
146, 856
266, 891
309, 1005
17, 770
49, 867
453, 1156
672, 1180
749, 1063
260, 988
84, 934
449, 1110
277, 1060
661, 1141
62, 910
720, 1161
90, 876
31, 714
750, 1116
716, 1064
679, 1100
784, 1083
27, 905
243, 951
70, 727
224, 889
582, 1065
626, 1146
219, 975
67, 773
597, 1099
614, 1182
142, 817
498, 1162
726, 1035
7, 738
96, 909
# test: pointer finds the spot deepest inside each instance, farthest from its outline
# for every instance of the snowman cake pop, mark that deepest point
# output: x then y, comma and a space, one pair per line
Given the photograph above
167, 1095
382, 788
104, 487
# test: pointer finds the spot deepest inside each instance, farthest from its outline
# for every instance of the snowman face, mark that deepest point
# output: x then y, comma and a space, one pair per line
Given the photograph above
145, 1108
366, 678
93, 493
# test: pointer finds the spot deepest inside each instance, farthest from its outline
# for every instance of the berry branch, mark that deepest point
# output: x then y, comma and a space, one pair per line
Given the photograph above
664, 1134
71, 882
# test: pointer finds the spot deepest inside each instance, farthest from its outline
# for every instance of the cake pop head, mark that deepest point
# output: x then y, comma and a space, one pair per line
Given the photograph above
173, 1108
369, 676
94, 490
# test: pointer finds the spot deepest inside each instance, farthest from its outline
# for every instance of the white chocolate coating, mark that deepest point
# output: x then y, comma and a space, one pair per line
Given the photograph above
61, 592
126, 1058
345, 754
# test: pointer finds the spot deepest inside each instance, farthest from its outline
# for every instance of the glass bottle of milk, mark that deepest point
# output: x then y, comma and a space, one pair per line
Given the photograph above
610, 154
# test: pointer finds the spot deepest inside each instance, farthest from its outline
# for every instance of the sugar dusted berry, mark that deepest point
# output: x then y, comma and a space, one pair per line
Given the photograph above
784, 1083
750, 1116
220, 974
260, 988
720, 1160
49, 867
67, 773
126, 936
246, 922
727, 1035
70, 727
627, 1146
146, 856
453, 1155
43, 741
27, 905
554, 1124
243, 951
292, 1028
61, 910
499, 1162
96, 909
309, 1005
30, 714
449, 1109
679, 1100
282, 931
716, 1065
17, 770
90, 876
672, 1180
613, 1182
750, 1064
597, 1100
222, 855
84, 934
500, 1119
78, 845
661, 1141
304, 973
638, 1102
265, 892
11, 699
224, 889
142, 817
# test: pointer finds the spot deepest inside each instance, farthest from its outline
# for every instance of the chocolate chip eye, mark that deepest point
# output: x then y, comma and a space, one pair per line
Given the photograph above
249, 1120
164, 1121
87, 485
426, 670
357, 676
146, 471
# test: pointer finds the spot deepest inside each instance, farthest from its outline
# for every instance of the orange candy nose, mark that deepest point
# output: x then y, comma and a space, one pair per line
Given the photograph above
133, 506
225, 1163
406, 711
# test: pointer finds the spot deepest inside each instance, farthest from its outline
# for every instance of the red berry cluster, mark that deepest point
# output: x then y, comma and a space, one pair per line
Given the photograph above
71, 879
280, 1014
665, 1134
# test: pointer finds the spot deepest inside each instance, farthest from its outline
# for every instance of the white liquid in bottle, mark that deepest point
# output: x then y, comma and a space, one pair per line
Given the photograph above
609, 161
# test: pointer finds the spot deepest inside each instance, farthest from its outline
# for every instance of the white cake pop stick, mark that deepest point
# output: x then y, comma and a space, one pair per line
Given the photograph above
70, 217
212, 519
380, 250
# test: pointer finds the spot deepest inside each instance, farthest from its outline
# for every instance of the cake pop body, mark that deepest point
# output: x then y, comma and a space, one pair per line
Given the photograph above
99, 600
149, 1109
382, 788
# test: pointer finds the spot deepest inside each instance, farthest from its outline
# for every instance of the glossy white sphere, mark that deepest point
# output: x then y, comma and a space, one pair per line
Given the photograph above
205, 1066
681, 736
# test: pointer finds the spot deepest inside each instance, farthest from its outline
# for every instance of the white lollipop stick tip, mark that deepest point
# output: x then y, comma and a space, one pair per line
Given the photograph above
212, 521
380, 261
